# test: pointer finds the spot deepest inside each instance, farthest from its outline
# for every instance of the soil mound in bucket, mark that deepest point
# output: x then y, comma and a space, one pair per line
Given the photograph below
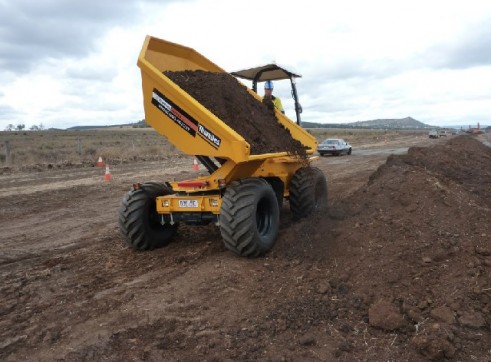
230, 101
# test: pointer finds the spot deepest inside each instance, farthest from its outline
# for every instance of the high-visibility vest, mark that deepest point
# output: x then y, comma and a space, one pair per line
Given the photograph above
277, 103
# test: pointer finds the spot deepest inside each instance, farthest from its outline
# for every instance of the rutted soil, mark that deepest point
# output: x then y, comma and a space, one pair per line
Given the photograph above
397, 270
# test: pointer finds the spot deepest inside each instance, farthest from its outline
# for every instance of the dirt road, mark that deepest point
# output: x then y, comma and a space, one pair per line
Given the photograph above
72, 291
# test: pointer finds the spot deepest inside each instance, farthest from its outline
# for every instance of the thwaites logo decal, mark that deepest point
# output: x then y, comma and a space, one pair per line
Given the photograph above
209, 136
182, 119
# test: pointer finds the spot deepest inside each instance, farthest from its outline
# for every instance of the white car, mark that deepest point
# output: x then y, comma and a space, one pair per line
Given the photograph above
334, 146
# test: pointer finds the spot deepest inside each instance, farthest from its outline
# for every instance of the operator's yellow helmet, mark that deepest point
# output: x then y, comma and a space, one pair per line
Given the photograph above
268, 84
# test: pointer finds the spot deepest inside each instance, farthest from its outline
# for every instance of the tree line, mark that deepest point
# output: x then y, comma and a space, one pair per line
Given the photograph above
21, 126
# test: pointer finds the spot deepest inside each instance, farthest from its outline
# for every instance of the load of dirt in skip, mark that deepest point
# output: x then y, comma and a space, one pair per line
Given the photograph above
407, 260
230, 101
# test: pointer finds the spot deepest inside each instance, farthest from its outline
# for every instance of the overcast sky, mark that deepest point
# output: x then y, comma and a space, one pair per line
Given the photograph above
65, 62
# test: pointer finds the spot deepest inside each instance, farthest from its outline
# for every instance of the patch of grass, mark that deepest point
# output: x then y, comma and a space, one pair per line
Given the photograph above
83, 146
121, 145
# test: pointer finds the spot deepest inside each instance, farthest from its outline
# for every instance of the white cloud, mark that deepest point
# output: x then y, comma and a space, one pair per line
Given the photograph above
359, 60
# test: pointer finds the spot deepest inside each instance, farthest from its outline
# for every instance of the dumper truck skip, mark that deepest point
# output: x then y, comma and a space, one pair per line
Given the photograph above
242, 193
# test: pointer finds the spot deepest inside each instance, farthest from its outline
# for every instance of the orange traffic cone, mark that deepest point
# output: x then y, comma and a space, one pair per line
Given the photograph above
107, 175
195, 165
100, 163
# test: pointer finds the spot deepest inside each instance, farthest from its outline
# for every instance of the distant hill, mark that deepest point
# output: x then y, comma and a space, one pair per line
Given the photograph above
407, 122
139, 124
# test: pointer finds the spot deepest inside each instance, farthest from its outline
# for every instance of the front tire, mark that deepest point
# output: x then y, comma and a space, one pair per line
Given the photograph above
308, 192
249, 217
139, 222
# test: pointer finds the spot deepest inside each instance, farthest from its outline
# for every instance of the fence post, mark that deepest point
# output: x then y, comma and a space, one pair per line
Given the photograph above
7, 152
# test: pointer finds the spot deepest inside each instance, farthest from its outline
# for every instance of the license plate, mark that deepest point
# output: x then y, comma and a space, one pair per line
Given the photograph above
188, 203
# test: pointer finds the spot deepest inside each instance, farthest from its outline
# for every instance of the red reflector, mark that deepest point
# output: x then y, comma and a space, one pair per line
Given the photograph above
192, 183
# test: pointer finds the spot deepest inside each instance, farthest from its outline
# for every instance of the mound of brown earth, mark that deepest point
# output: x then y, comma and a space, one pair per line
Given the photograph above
414, 251
230, 101
397, 270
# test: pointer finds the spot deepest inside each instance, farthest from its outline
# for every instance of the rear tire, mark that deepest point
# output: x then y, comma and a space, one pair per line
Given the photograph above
308, 192
249, 217
139, 222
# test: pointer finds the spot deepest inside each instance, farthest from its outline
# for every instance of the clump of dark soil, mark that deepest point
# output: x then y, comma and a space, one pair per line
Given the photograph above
413, 248
230, 101
398, 270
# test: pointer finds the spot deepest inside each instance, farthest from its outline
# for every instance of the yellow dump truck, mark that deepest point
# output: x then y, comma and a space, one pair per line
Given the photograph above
242, 192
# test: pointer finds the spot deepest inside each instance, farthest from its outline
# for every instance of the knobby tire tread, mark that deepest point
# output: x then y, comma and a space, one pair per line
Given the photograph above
139, 231
238, 217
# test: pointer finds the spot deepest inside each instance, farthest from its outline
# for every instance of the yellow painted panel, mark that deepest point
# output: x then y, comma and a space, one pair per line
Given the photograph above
185, 122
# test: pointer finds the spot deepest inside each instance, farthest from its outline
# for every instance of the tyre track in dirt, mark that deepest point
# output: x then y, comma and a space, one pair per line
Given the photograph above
73, 291
41, 213
63, 257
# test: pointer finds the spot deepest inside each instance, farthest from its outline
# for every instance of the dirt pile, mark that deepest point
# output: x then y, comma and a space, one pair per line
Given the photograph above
414, 253
227, 99
397, 270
